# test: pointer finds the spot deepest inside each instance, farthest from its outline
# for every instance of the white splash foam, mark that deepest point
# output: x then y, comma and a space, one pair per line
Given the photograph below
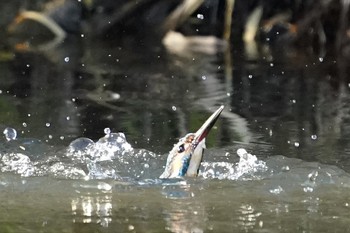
246, 168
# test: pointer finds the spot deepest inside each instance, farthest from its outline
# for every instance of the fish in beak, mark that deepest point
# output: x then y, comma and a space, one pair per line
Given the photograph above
186, 156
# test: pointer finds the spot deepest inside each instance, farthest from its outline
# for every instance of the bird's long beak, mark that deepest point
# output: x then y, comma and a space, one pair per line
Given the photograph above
206, 127
186, 156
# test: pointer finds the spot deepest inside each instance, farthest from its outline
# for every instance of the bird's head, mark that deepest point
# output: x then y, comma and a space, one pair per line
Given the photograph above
186, 156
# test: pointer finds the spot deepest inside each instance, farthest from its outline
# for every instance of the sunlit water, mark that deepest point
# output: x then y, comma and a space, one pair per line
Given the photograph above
109, 186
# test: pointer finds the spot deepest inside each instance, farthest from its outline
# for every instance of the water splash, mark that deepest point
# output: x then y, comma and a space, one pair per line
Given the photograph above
80, 149
82, 159
111, 148
18, 163
247, 168
112, 157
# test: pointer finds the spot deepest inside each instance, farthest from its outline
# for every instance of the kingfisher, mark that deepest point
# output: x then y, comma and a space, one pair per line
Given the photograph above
186, 156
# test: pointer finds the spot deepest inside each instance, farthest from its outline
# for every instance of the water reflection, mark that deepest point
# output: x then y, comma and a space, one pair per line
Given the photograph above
183, 212
248, 217
91, 206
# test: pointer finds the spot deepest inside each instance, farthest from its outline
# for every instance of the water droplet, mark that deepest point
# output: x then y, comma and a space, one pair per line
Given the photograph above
66, 59
10, 134
313, 175
24, 124
146, 165
277, 190
314, 137
173, 108
62, 137
115, 96
204, 77
296, 144
82, 35
200, 16
104, 186
228, 94
50, 136
241, 152
68, 118
250, 76
261, 224
107, 131
320, 59
294, 101
47, 124
271, 64
308, 189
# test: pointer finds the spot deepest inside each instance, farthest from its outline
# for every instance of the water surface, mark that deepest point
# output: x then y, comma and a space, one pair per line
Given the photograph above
287, 108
